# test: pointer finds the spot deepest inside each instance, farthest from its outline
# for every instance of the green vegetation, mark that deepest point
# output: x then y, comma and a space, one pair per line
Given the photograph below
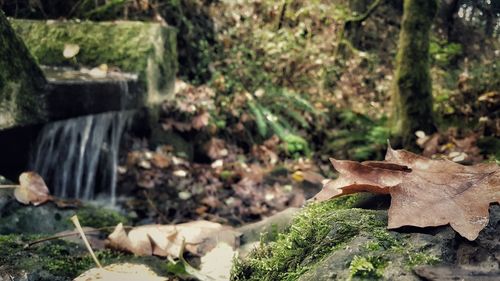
99, 217
366, 268
323, 231
57, 258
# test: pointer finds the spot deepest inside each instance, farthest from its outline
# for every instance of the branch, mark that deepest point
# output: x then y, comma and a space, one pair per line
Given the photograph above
373, 6
282, 14
5, 186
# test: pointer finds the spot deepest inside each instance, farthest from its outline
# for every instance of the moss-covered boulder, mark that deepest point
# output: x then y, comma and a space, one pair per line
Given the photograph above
48, 219
22, 84
58, 259
329, 242
144, 48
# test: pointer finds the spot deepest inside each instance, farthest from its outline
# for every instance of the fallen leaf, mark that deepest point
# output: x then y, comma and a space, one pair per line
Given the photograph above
99, 72
32, 189
120, 272
200, 120
160, 161
180, 173
198, 237
424, 192
216, 148
216, 264
70, 50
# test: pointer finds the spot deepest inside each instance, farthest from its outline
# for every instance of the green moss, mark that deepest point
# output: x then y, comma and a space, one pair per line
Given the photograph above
100, 217
366, 268
318, 230
58, 257
355, 240
147, 49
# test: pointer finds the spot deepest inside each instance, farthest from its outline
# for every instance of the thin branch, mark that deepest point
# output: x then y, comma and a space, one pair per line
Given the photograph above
282, 14
9, 186
73, 233
373, 6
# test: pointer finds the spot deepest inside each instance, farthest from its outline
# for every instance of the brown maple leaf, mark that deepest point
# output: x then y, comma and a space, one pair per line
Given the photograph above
424, 192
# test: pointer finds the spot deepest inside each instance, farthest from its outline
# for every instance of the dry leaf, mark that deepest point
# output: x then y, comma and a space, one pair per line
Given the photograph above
198, 237
216, 264
32, 189
120, 272
200, 120
70, 50
424, 192
160, 161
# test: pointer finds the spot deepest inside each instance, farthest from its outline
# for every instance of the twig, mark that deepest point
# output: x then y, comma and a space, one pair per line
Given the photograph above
373, 6
75, 221
6, 186
45, 239
282, 14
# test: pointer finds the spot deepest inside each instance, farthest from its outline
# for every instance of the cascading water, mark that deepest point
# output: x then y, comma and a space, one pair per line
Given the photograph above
70, 154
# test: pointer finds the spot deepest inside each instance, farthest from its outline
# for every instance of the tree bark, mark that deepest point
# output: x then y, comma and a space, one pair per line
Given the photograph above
412, 92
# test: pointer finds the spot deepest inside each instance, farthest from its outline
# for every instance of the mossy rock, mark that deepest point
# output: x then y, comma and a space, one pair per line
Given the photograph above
22, 83
144, 48
57, 260
48, 219
326, 241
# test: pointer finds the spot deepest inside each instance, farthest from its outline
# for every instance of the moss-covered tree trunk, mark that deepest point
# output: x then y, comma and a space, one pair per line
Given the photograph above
412, 92
21, 81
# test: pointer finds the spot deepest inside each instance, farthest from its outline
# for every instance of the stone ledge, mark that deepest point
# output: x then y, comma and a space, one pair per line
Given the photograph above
144, 48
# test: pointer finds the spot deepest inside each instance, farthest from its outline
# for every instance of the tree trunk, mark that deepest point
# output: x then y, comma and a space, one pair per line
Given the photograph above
412, 92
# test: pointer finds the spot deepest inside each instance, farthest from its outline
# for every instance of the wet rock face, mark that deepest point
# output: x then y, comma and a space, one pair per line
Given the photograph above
327, 243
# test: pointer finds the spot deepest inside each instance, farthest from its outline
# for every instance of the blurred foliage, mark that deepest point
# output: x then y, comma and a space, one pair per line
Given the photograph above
276, 66
195, 27
444, 53
358, 137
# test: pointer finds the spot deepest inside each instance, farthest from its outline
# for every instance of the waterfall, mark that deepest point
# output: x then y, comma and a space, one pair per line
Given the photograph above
71, 154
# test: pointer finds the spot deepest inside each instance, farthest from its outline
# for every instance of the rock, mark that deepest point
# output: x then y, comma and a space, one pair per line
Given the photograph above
48, 219
329, 242
22, 83
59, 259
143, 48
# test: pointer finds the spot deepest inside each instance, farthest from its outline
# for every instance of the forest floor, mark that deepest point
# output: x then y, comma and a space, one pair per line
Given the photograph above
284, 95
